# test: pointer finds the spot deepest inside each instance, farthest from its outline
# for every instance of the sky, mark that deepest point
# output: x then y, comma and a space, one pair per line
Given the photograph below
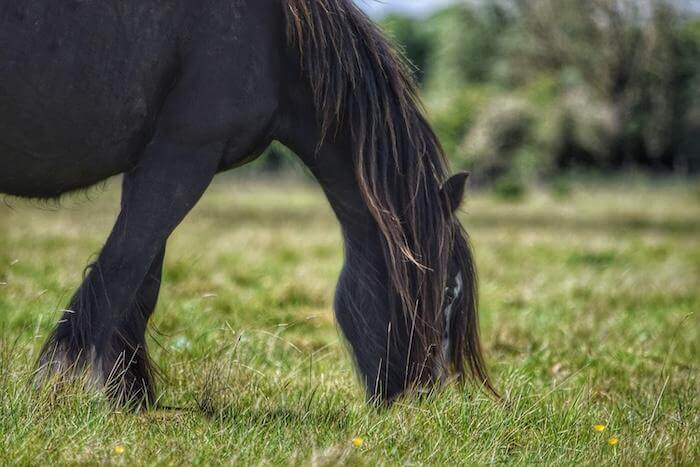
417, 7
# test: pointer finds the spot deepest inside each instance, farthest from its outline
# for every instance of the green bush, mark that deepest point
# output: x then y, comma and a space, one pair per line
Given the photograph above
496, 138
454, 114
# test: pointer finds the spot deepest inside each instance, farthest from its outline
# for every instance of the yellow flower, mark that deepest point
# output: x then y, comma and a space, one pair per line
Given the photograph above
599, 428
613, 441
357, 442
119, 450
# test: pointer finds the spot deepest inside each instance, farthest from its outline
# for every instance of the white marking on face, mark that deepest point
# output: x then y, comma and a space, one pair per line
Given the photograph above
453, 296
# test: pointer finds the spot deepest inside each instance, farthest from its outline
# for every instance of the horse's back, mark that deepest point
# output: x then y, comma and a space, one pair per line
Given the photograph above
81, 83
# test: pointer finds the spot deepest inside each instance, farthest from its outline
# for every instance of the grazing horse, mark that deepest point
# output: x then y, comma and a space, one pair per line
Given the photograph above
171, 92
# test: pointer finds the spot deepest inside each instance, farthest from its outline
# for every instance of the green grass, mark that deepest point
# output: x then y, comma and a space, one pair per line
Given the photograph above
589, 316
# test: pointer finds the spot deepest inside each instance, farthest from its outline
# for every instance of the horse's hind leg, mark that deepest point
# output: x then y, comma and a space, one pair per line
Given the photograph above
98, 330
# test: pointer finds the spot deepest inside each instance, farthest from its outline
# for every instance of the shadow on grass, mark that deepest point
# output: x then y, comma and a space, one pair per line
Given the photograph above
249, 416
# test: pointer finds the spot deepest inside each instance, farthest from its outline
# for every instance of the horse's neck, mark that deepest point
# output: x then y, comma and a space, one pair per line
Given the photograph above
330, 159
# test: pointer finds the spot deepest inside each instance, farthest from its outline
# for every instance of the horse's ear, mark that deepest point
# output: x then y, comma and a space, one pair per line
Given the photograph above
454, 188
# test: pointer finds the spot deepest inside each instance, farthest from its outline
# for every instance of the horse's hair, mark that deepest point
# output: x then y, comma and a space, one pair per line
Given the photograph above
358, 79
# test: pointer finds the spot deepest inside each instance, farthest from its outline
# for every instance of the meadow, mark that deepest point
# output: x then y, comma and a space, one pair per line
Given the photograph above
589, 299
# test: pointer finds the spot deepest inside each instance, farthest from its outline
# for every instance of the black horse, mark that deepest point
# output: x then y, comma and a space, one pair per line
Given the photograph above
172, 92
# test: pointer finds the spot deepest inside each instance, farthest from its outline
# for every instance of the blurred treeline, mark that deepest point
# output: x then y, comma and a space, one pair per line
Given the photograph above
524, 89
521, 90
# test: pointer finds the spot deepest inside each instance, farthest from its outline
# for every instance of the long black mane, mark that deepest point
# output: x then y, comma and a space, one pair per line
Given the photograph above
358, 80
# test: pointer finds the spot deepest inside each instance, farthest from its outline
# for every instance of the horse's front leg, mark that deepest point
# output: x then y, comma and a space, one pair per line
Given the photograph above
99, 332
135, 375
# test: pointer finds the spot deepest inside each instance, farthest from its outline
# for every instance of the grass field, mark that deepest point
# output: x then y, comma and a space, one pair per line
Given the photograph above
589, 317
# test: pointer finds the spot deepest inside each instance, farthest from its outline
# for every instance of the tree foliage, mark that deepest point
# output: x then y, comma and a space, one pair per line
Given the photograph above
534, 87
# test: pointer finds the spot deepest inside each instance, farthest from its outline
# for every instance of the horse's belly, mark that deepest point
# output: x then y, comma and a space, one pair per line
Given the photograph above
68, 142
42, 175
